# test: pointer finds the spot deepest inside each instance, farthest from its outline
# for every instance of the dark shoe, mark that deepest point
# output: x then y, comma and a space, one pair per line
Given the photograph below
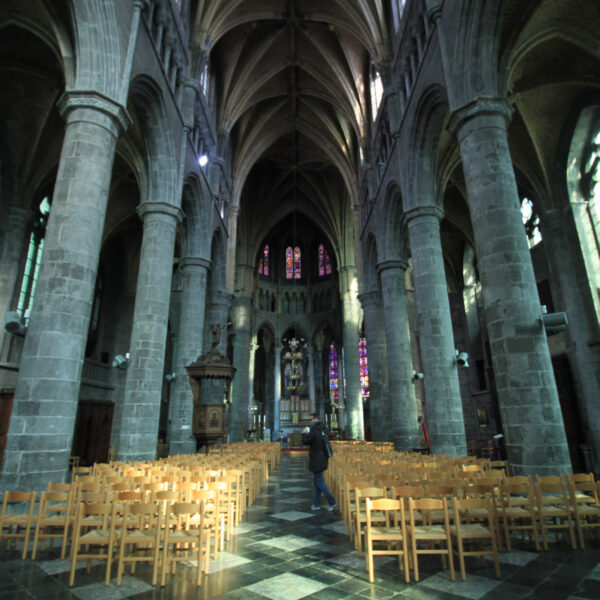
315, 507
332, 508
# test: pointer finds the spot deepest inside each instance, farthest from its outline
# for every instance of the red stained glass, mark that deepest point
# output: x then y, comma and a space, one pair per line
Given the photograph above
333, 373
293, 263
324, 262
363, 367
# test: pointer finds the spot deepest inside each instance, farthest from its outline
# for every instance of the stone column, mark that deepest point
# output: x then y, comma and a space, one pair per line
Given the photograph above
382, 427
531, 416
45, 404
341, 412
14, 239
241, 316
351, 316
320, 393
143, 384
568, 271
251, 375
276, 393
212, 391
444, 414
189, 348
311, 379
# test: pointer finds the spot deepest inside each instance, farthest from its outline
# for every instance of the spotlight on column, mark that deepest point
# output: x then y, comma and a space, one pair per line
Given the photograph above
554, 322
170, 377
14, 324
203, 160
120, 361
416, 376
462, 359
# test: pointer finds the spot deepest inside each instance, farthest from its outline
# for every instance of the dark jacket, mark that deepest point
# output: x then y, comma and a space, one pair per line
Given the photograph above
317, 453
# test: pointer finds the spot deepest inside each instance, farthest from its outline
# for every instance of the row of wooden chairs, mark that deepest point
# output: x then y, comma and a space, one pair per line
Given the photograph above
427, 530
182, 480
160, 533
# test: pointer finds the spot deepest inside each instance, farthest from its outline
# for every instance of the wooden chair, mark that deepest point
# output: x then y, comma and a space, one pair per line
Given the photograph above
517, 508
139, 540
584, 503
474, 521
94, 529
482, 491
211, 518
435, 536
181, 541
53, 520
553, 507
360, 496
17, 521
392, 531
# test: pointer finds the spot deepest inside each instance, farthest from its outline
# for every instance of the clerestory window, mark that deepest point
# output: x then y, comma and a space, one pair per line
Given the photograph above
33, 260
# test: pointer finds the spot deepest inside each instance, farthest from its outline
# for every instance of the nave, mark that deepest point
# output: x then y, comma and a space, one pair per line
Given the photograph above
284, 551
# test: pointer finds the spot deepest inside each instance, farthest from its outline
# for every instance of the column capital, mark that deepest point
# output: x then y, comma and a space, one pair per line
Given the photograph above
385, 265
420, 213
192, 262
81, 105
485, 105
161, 209
370, 298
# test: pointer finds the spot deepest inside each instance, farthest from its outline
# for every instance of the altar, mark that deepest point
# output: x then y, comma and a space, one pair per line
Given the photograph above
295, 404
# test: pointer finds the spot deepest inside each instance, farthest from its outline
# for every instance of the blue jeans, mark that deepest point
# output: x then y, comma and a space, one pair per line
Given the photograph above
321, 488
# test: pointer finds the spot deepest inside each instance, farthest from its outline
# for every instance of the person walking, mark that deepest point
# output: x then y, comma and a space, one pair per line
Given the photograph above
318, 460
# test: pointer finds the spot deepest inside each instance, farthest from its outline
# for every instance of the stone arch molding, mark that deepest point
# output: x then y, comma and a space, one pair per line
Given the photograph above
99, 59
49, 30
195, 234
159, 182
394, 239
420, 179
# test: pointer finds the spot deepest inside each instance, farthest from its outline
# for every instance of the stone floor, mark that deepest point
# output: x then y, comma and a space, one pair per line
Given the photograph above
283, 551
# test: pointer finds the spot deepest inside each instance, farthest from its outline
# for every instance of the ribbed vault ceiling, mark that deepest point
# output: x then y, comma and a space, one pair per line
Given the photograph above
292, 83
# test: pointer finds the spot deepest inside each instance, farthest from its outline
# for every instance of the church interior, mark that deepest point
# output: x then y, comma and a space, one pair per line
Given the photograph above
219, 217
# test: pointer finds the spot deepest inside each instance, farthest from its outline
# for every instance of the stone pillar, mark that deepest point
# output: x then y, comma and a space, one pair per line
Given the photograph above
444, 414
531, 416
351, 322
341, 414
241, 316
568, 271
276, 393
189, 348
45, 404
251, 375
311, 379
377, 355
14, 239
217, 313
143, 384
321, 395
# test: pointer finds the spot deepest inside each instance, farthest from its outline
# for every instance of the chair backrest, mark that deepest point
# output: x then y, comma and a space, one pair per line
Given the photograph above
425, 507
130, 497
393, 509
406, 491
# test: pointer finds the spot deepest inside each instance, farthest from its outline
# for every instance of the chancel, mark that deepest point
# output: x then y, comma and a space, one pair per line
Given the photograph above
383, 212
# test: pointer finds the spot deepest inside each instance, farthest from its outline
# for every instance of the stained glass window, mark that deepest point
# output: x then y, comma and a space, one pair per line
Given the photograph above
33, 260
363, 367
293, 263
263, 267
334, 388
324, 262
297, 266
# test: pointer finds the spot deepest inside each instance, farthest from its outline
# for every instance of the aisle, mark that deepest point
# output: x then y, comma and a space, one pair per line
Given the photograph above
284, 551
